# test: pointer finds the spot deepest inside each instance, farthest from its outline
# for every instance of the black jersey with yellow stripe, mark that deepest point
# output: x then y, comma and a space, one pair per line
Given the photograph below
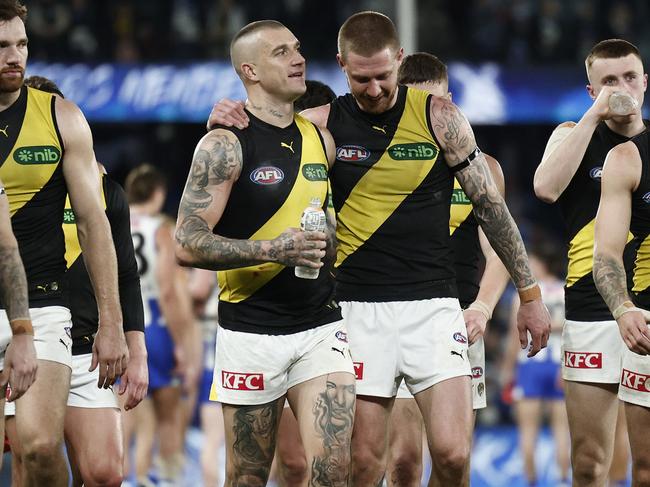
463, 232
391, 191
81, 296
31, 151
640, 225
578, 205
283, 171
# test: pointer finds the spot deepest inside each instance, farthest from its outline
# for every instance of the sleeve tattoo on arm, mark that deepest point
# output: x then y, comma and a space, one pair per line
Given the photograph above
216, 162
489, 207
609, 276
13, 284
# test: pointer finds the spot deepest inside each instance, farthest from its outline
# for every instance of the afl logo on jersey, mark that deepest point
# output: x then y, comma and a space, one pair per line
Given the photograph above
352, 153
267, 175
646, 197
596, 173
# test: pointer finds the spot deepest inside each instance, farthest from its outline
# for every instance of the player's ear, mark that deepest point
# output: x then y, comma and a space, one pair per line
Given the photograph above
591, 92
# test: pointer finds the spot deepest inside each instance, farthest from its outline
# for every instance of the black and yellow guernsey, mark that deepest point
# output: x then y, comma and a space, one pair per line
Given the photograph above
31, 151
391, 191
578, 205
640, 225
283, 170
468, 257
82, 302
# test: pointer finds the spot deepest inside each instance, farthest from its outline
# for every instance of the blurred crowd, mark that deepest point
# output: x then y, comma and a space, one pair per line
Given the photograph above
513, 32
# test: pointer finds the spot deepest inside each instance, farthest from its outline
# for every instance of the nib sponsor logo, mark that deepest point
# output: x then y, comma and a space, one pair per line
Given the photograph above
242, 382
358, 370
635, 381
583, 360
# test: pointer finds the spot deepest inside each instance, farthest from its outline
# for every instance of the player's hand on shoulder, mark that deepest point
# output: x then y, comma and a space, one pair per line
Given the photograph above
533, 318
229, 113
635, 332
294, 247
20, 366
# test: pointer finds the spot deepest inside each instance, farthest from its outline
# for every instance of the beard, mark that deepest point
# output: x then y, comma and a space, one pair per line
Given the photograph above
10, 85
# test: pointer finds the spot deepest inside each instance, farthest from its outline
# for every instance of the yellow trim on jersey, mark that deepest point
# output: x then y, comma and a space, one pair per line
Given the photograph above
238, 284
384, 187
72, 245
581, 253
641, 278
35, 156
461, 208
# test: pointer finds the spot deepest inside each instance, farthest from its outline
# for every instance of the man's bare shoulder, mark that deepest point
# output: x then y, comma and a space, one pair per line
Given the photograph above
317, 115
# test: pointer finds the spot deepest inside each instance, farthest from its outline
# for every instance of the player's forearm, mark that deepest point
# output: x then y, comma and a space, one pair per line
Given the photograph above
494, 281
136, 344
561, 162
498, 225
197, 246
609, 276
13, 284
99, 257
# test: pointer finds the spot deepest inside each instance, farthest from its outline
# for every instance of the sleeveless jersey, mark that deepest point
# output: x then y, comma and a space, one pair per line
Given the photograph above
463, 231
31, 151
283, 170
81, 300
391, 192
143, 232
578, 205
640, 225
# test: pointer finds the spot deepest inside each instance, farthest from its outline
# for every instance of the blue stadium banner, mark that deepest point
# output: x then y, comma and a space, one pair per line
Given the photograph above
487, 93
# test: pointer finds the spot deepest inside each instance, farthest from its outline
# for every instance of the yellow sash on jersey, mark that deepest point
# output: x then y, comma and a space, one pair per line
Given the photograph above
238, 284
36, 154
72, 245
365, 211
461, 208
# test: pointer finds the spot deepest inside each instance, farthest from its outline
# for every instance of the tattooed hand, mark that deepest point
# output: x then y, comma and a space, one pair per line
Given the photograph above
297, 248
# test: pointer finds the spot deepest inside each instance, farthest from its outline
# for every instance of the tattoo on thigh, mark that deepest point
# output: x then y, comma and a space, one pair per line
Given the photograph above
334, 417
255, 430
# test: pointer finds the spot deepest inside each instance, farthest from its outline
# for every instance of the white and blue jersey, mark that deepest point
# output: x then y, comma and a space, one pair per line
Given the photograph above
160, 346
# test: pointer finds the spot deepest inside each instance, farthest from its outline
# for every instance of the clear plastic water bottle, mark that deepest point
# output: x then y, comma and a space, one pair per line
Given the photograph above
622, 103
313, 220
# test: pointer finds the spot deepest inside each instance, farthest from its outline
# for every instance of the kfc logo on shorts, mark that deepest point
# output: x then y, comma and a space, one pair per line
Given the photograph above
342, 336
635, 381
242, 382
583, 360
460, 338
477, 372
358, 370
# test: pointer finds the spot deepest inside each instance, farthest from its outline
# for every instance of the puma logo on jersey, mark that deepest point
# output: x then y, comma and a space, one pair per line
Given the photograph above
381, 129
287, 146
4, 131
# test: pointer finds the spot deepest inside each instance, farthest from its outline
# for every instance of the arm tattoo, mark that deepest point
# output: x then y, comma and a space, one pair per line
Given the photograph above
212, 167
448, 124
13, 283
255, 430
492, 213
609, 276
334, 416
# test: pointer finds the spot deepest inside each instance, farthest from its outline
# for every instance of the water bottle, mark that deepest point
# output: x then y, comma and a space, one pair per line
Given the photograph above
622, 103
313, 220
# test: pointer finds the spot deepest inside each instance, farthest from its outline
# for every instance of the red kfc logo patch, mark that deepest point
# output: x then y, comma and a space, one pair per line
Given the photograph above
635, 381
358, 370
583, 360
242, 382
